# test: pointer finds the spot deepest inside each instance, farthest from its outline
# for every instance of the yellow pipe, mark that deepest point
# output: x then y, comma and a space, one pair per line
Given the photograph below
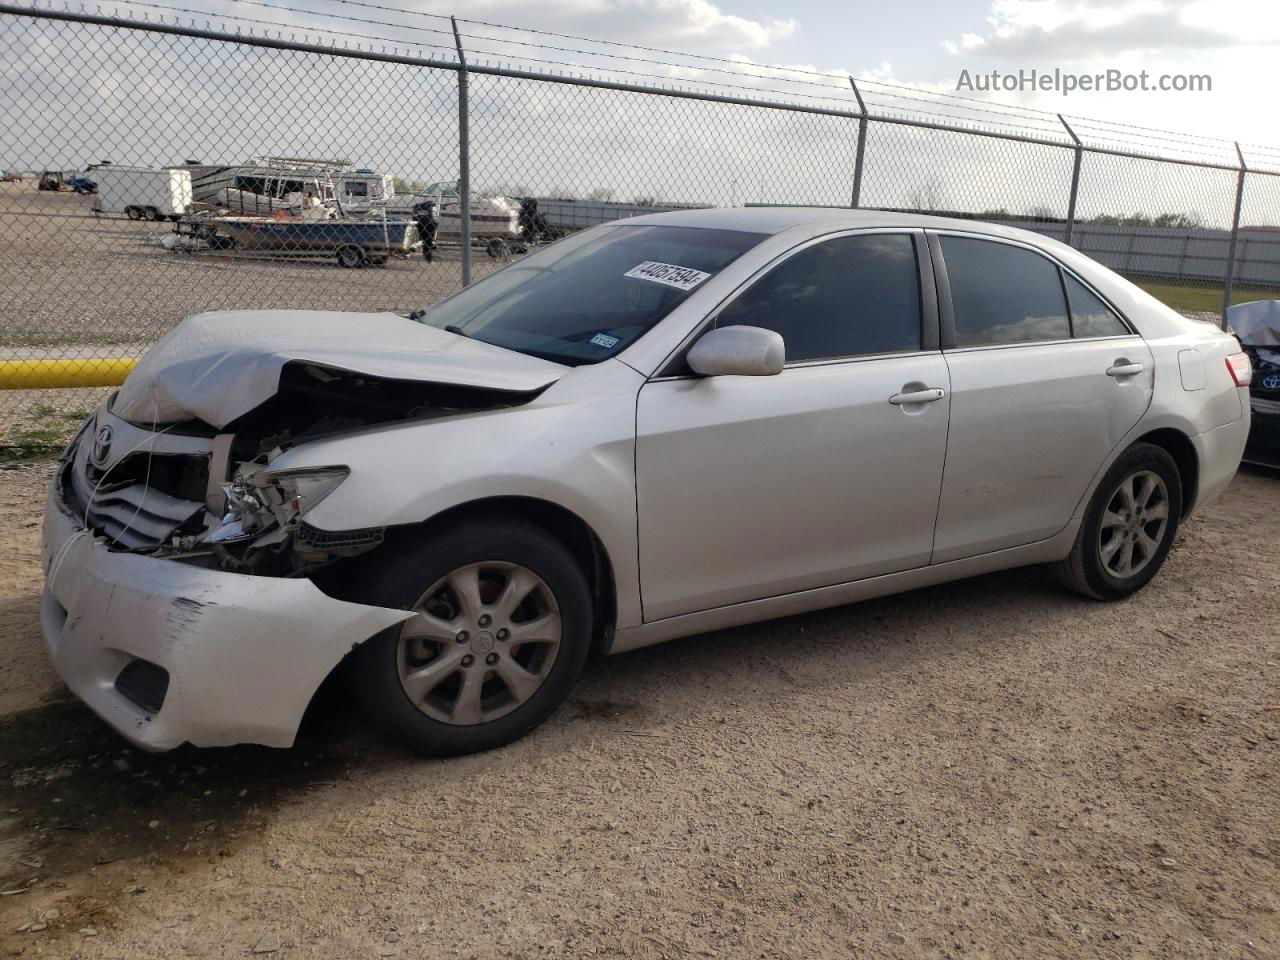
55, 373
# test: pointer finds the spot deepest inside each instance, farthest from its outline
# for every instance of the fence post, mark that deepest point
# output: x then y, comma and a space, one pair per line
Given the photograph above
1235, 235
862, 146
1075, 180
464, 157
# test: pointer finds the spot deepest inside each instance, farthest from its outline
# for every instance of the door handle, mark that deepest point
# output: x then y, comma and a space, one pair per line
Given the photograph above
928, 395
1123, 368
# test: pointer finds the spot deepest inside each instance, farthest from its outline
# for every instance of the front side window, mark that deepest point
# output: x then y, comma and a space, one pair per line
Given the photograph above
589, 296
1003, 294
357, 188
840, 298
1090, 317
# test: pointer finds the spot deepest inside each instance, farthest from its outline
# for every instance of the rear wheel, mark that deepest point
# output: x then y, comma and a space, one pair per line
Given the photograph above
501, 630
133, 213
1128, 528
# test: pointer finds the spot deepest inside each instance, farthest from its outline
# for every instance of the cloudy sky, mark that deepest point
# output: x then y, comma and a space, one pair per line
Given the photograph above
929, 42
919, 43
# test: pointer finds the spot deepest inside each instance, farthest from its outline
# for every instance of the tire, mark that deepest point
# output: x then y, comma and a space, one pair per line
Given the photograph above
1139, 525
497, 249
438, 719
133, 213
153, 214
351, 256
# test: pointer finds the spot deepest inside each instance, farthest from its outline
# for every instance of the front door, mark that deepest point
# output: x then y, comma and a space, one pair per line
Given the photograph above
753, 487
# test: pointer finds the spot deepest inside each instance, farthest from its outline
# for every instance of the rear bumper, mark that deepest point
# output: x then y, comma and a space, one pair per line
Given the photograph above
243, 654
1218, 452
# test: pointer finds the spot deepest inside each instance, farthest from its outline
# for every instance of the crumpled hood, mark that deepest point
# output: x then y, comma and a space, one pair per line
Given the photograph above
219, 366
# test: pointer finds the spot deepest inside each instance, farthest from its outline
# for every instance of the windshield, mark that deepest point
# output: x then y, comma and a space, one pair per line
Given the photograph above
589, 296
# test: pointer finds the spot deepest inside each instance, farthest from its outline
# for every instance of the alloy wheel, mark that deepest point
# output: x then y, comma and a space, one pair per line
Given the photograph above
483, 639
1133, 524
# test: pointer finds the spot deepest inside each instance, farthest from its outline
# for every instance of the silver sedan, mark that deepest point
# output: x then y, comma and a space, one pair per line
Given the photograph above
650, 429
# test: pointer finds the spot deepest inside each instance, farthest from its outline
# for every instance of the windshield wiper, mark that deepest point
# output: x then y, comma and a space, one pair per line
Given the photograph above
454, 328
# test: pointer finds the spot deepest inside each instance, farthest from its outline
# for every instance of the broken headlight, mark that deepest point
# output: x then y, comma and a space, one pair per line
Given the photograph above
258, 499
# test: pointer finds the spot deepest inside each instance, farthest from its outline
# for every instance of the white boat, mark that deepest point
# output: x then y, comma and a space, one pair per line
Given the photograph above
490, 217
247, 203
276, 177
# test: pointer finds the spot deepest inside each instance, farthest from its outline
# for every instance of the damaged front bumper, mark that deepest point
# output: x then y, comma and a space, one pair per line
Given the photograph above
170, 653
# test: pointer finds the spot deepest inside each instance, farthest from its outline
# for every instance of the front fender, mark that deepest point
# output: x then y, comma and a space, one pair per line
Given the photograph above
573, 446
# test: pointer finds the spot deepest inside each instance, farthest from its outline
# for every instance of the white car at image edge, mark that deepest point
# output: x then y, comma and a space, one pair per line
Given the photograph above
650, 429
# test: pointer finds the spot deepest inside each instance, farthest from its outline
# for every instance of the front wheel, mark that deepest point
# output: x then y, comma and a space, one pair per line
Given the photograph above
1128, 527
501, 630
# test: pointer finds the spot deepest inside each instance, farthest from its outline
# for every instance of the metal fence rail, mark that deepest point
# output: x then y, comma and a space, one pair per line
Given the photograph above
92, 279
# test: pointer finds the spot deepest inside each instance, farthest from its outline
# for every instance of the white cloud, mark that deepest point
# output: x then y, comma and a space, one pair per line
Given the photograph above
681, 23
1074, 30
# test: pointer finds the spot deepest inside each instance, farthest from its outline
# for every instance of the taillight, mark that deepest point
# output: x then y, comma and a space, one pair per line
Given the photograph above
1240, 368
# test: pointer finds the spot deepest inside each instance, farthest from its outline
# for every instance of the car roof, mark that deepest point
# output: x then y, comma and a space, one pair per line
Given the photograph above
771, 220
1152, 317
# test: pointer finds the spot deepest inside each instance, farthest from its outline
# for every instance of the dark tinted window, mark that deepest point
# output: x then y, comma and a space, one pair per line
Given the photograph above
1003, 294
847, 296
1090, 317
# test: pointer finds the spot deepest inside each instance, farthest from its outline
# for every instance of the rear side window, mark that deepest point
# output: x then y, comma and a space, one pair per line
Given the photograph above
1003, 294
1090, 317
840, 298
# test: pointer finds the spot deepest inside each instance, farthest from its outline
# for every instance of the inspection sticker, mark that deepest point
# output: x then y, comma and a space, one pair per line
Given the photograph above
604, 340
682, 278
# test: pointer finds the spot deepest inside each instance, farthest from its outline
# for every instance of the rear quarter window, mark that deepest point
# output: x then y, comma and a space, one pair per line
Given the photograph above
1090, 317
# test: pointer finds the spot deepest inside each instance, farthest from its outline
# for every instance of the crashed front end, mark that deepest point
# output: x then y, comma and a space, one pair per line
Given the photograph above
171, 653
177, 616
181, 599
187, 598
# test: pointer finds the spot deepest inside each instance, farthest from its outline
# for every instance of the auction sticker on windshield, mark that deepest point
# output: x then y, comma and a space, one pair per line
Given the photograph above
682, 278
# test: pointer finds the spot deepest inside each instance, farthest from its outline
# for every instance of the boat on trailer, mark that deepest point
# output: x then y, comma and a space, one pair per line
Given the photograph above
352, 242
276, 178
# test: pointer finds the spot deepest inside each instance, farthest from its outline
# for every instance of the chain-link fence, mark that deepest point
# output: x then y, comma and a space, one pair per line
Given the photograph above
155, 170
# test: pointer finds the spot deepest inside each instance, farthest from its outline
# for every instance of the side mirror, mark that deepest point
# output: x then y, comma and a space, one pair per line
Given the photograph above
738, 351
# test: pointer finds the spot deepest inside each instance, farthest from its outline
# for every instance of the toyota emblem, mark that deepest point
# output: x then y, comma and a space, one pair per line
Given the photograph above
102, 445
1271, 381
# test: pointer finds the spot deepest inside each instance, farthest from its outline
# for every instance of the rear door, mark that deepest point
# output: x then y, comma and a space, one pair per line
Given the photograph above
1046, 379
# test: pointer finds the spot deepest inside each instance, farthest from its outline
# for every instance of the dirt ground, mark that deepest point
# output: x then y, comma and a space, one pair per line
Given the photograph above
993, 768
